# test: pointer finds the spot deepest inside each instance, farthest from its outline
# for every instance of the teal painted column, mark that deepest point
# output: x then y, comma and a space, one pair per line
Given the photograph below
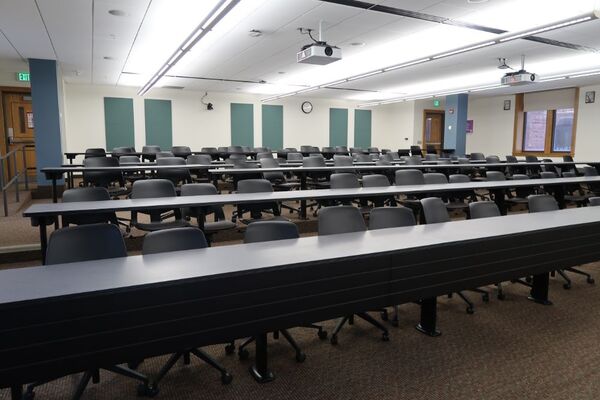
44, 94
455, 130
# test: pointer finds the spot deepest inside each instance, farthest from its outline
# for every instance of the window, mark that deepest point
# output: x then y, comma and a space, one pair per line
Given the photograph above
534, 134
562, 131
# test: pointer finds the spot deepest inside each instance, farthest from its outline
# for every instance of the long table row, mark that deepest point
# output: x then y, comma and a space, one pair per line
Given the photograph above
74, 317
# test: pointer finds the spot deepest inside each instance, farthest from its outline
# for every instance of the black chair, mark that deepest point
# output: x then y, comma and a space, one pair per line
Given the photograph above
255, 209
213, 152
180, 239
163, 154
477, 156
294, 156
87, 194
342, 180
149, 152
131, 176
406, 177
278, 180
391, 217
260, 156
434, 211
545, 202
199, 159
378, 180
219, 222
346, 219
415, 151
263, 231
152, 188
95, 152
414, 160
316, 180
88, 243
122, 151
372, 150
176, 175
114, 181
594, 201
181, 151
431, 157
328, 152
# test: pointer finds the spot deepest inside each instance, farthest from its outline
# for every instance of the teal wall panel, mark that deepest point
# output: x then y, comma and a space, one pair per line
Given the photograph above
242, 124
159, 123
338, 126
272, 126
362, 128
118, 122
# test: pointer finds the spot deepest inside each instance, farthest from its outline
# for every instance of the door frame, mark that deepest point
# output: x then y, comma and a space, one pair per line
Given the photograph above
8, 90
437, 111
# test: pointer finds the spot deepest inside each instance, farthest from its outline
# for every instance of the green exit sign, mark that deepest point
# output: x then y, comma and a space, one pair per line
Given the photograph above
436, 103
23, 76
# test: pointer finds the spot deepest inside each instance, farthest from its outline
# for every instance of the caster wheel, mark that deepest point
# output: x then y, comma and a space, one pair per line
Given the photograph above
470, 310
28, 395
322, 334
385, 337
147, 390
590, 281
226, 378
230, 349
300, 357
501, 296
567, 286
486, 298
333, 340
384, 316
243, 354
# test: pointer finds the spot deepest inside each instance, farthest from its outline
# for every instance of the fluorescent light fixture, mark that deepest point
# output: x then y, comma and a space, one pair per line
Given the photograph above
499, 39
214, 16
310, 89
553, 78
465, 49
549, 28
582, 74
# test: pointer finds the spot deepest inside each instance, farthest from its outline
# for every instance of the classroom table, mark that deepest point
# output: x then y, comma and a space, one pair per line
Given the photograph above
67, 318
43, 214
222, 154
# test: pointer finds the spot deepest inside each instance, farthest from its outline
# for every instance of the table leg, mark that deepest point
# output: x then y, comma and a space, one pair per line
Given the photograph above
259, 370
43, 238
559, 195
54, 190
302, 201
428, 317
16, 392
499, 200
539, 289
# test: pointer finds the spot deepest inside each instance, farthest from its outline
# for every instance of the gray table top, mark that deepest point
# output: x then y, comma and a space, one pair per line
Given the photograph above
132, 167
43, 282
50, 209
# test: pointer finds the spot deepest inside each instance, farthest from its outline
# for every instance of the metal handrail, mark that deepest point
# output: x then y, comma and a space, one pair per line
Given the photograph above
15, 179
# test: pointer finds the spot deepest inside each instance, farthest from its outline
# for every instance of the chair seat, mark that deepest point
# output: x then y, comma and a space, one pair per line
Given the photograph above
212, 227
157, 226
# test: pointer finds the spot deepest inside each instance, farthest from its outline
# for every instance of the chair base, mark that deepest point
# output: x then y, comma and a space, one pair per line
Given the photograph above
350, 319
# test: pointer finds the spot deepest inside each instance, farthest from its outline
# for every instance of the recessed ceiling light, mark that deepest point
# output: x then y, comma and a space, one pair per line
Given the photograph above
255, 33
357, 44
117, 13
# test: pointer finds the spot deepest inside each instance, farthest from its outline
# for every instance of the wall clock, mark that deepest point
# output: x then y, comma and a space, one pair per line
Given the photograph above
307, 107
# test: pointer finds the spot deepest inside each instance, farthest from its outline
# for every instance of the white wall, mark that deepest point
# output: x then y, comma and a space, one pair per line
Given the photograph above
493, 127
392, 126
587, 141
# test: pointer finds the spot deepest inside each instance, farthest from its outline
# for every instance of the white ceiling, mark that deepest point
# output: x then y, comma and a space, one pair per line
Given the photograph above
93, 46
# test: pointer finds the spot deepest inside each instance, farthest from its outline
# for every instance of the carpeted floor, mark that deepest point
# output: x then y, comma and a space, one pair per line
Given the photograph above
511, 349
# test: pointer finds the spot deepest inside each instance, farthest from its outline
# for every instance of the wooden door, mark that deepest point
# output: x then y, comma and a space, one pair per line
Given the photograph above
433, 129
20, 129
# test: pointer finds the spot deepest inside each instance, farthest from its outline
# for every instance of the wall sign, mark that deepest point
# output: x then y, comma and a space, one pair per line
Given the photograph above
29, 120
469, 126
506, 105
590, 97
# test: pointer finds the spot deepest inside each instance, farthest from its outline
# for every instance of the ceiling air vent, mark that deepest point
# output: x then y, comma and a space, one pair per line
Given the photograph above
172, 87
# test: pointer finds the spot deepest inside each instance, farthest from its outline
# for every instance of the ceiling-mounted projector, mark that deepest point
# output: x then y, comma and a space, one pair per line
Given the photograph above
520, 77
319, 52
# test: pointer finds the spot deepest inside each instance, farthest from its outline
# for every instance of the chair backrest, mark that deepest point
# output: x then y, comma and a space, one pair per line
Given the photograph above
548, 175
181, 151
416, 151
209, 150
391, 217
262, 150
363, 158
291, 149
175, 175
594, 201
569, 174
150, 149
340, 219
235, 149
373, 150
435, 178
495, 176
568, 158
590, 171
531, 159
262, 155
511, 159
124, 160
541, 202
85, 243
477, 156
414, 160
254, 186
275, 176
263, 231
357, 150
434, 210
313, 162
383, 161
431, 157
164, 154
341, 149
201, 159
293, 156
85, 194
119, 151
344, 181
394, 154
269, 163
102, 178
409, 177
342, 161
97, 152
375, 180
492, 159
459, 178
149, 188
198, 189
246, 149
483, 209
519, 177
174, 239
